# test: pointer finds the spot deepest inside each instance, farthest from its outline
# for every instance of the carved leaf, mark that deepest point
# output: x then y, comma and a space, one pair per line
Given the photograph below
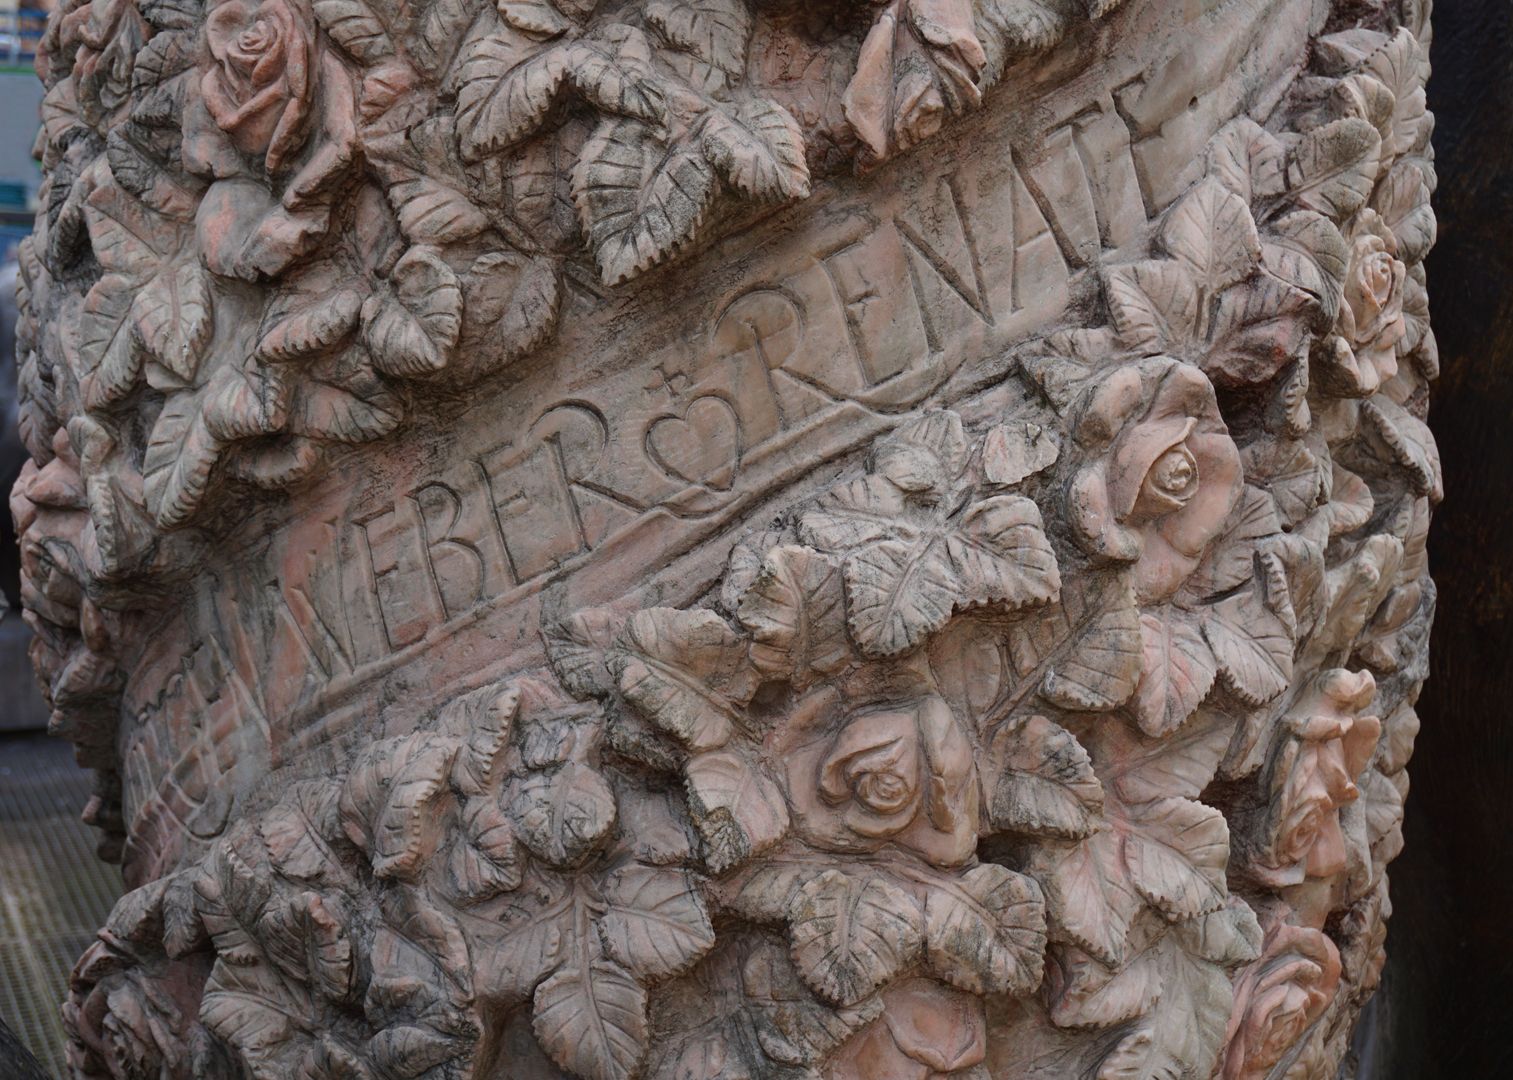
1088, 994
738, 810
1409, 443
432, 211
387, 801
1089, 896
1248, 160
1184, 1033
1178, 669
230, 897
419, 958
297, 831
1153, 304
414, 332
108, 357
1210, 231
899, 593
759, 149
413, 1049
354, 26
192, 430
578, 647
506, 85
985, 932
686, 671
311, 329
861, 511
1253, 647
518, 299
1231, 558
173, 317
1001, 554
1333, 168
1402, 65
343, 399
1259, 329
656, 924
1177, 851
484, 861
1011, 453
254, 1011
716, 31
1046, 784
308, 942
592, 1021
1305, 250
540, 18
484, 719
1083, 652
563, 815
795, 611
852, 934
639, 201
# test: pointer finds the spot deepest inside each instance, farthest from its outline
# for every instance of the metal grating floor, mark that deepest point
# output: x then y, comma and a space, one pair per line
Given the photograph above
54, 892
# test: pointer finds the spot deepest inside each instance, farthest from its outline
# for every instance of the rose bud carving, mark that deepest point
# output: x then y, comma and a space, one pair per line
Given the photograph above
1159, 473
1277, 998
1322, 747
927, 1030
1362, 353
890, 771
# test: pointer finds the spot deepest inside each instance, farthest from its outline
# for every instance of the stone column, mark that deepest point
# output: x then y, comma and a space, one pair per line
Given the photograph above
732, 539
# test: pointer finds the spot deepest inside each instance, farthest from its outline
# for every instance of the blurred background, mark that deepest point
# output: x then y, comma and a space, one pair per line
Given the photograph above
1448, 986
54, 893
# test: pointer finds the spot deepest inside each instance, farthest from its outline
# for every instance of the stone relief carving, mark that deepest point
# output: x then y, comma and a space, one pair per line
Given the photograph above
1050, 720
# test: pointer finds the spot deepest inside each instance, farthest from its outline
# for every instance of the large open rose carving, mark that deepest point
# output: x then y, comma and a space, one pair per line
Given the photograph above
863, 774
1160, 473
1324, 747
1362, 353
259, 86
274, 128
1277, 998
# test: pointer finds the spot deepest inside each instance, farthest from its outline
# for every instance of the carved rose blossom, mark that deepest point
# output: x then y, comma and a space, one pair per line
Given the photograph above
895, 771
1277, 998
1370, 323
259, 86
1324, 747
273, 98
927, 1030
1161, 474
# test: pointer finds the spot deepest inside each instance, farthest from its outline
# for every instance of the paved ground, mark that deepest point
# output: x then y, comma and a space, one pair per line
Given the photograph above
53, 891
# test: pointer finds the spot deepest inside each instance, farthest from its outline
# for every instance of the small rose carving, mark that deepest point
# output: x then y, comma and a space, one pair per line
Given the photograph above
1160, 473
259, 87
1362, 354
897, 771
1324, 746
927, 1030
1277, 998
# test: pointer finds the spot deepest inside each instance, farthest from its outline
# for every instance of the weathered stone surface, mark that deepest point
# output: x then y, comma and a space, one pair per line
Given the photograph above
697, 539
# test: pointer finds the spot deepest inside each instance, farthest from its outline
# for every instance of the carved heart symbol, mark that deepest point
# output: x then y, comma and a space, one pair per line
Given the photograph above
703, 446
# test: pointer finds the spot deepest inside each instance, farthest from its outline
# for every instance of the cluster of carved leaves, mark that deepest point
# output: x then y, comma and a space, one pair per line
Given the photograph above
437, 176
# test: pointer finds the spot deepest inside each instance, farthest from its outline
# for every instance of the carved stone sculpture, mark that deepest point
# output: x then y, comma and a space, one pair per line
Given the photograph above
697, 539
